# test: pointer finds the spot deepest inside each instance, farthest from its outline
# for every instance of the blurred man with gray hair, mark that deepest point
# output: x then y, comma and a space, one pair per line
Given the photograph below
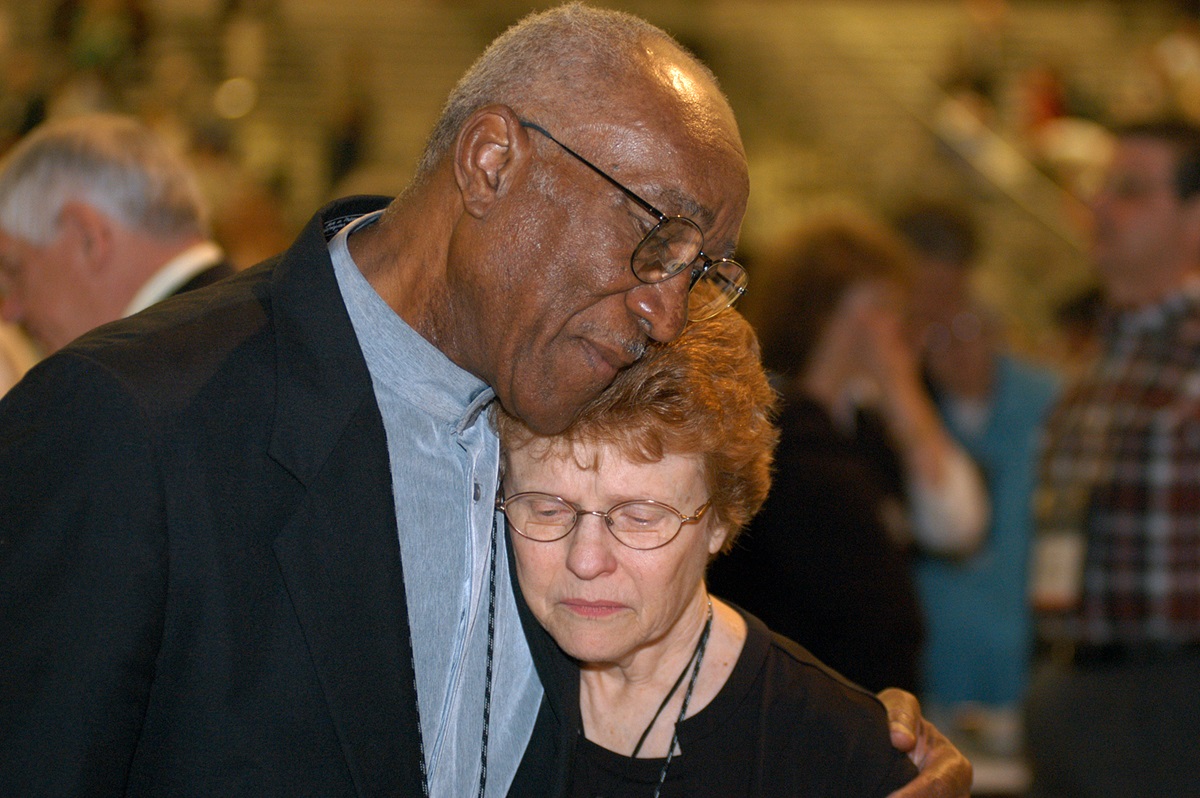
99, 219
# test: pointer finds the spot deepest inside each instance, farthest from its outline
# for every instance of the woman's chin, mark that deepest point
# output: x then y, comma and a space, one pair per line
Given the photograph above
589, 645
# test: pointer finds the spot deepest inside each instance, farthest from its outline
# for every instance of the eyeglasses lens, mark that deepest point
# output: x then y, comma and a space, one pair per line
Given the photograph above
669, 248
540, 517
642, 525
720, 285
674, 245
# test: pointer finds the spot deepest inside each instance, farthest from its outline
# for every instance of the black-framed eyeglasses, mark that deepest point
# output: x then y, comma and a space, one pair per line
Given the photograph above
675, 243
642, 524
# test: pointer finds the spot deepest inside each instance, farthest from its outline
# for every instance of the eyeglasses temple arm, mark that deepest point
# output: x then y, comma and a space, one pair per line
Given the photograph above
646, 206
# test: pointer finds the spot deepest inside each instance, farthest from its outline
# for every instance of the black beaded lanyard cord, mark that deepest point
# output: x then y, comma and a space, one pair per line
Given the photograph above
487, 691
692, 664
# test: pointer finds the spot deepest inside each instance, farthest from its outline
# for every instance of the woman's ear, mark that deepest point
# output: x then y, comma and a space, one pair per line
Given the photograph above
717, 533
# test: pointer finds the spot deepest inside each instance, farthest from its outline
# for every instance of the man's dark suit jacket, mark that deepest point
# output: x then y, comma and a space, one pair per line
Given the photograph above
200, 581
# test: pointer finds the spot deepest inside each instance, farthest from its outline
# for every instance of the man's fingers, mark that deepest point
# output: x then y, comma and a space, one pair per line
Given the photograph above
904, 717
944, 771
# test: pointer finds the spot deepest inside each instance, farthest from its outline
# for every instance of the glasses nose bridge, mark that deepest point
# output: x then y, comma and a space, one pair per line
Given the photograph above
598, 513
608, 521
697, 272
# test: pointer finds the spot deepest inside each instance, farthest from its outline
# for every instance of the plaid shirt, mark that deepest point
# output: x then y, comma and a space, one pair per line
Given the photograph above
1122, 462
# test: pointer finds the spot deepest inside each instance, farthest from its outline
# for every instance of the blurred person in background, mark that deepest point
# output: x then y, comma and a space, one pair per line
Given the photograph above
975, 667
249, 220
1116, 578
865, 470
98, 219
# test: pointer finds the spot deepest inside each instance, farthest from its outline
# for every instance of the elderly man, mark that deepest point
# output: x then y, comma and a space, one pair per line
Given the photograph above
257, 555
98, 220
1117, 577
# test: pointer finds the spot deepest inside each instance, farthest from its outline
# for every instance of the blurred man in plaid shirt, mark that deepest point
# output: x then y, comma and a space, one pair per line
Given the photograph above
1116, 709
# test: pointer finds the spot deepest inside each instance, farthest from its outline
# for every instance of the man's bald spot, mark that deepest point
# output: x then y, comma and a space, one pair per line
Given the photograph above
657, 76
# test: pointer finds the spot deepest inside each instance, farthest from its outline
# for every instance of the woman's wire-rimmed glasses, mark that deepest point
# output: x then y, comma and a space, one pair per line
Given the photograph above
642, 524
675, 243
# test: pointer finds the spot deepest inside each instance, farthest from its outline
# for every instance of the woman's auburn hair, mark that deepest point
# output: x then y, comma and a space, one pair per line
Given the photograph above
705, 394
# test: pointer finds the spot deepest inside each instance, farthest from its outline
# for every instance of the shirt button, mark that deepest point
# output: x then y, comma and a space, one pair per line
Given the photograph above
477, 491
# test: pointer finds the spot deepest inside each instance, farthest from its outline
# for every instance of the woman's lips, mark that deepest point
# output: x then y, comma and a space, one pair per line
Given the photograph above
593, 609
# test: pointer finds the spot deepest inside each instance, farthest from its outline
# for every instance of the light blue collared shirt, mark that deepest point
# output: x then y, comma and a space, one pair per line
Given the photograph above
444, 460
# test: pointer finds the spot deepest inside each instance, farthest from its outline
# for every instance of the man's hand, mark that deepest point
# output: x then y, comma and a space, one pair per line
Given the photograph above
944, 771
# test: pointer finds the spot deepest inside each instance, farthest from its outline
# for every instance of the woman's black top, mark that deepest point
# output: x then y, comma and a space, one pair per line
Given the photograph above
783, 725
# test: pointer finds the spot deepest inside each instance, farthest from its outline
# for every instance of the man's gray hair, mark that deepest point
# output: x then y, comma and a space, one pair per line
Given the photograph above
573, 48
112, 162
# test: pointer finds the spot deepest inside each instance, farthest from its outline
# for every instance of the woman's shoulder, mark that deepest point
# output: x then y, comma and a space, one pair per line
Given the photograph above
819, 727
803, 683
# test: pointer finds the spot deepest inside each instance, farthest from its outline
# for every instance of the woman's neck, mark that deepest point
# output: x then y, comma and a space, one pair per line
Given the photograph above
618, 700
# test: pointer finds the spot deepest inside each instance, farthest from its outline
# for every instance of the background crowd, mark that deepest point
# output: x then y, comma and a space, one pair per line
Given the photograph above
927, 177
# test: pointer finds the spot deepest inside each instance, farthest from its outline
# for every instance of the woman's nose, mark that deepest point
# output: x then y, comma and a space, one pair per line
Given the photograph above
590, 552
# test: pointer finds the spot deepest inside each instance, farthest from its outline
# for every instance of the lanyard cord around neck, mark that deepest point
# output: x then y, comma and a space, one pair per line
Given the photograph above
487, 691
694, 663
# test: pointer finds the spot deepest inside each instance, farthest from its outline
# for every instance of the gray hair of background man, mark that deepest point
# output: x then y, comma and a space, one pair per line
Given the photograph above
572, 49
112, 162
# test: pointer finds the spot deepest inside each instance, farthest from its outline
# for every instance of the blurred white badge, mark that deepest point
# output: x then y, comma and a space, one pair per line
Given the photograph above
1057, 579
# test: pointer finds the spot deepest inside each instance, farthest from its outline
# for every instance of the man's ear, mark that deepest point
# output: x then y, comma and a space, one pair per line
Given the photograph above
487, 148
91, 233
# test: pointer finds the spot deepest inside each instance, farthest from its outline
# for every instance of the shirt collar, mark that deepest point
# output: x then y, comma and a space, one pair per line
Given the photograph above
174, 273
397, 355
1157, 316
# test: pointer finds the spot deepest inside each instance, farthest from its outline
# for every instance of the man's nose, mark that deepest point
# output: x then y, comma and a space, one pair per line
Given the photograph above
662, 307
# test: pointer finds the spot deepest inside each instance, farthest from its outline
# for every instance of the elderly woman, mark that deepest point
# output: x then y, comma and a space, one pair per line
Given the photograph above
613, 524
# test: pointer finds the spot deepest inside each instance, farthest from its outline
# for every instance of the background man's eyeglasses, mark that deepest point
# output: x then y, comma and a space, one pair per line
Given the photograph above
674, 244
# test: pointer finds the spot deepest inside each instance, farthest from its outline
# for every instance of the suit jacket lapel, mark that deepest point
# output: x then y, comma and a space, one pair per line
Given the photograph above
339, 553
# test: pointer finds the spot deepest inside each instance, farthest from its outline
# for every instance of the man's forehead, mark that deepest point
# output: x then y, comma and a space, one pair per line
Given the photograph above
676, 109
680, 169
1142, 153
